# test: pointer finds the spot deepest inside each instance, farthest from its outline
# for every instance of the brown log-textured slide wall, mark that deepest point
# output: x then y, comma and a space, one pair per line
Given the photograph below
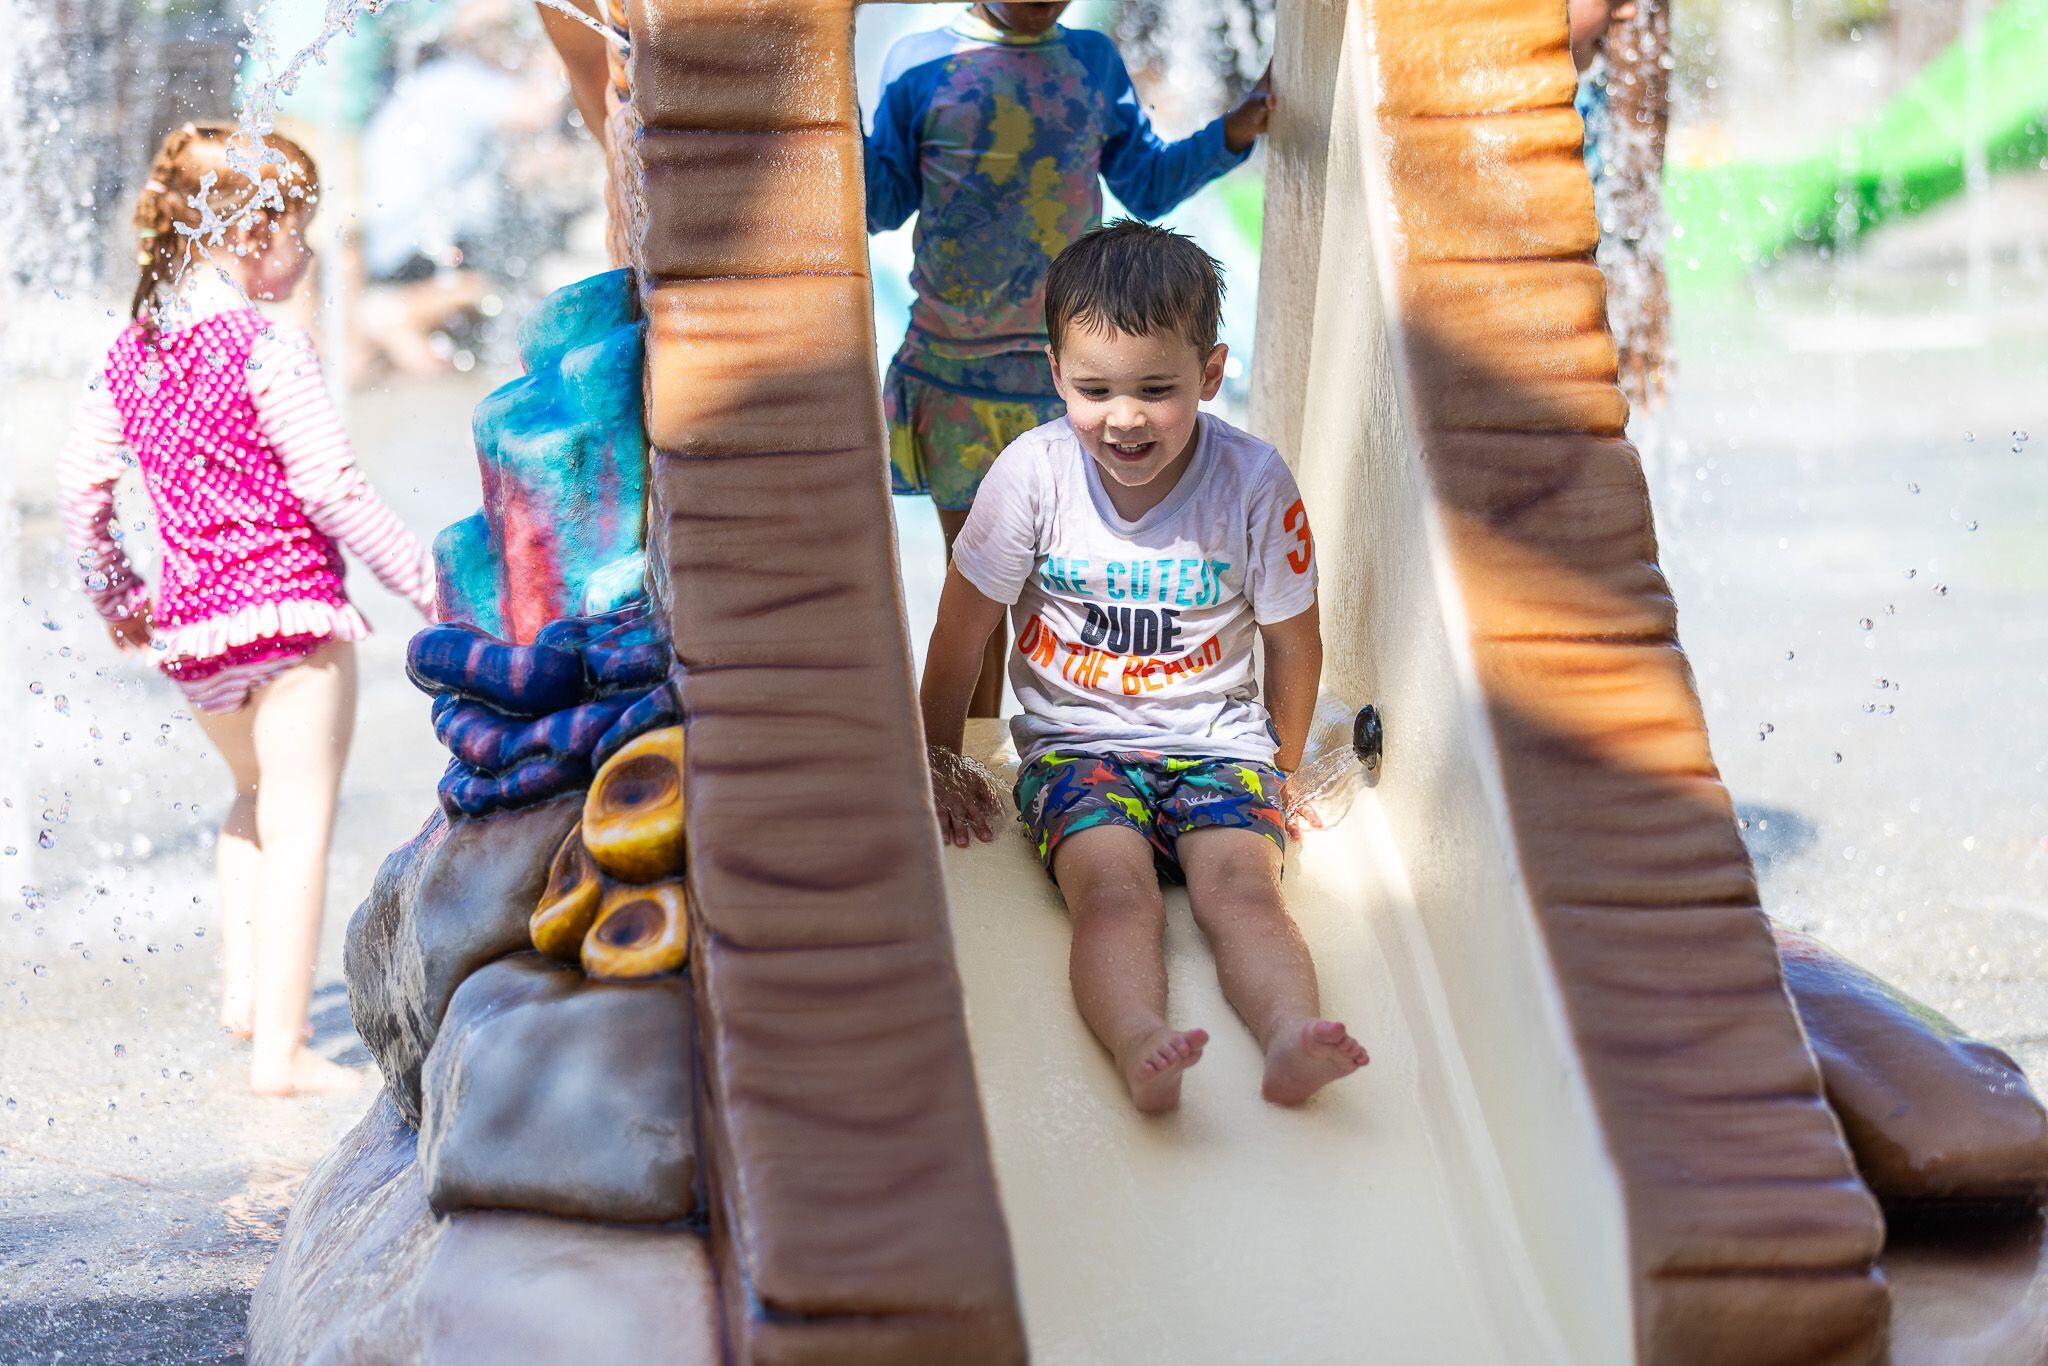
1752, 1239
854, 1208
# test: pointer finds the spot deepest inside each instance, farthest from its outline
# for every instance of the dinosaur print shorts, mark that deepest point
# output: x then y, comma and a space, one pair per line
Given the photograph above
1161, 796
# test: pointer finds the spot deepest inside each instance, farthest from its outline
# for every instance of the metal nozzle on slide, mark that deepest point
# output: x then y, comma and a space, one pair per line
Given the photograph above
1368, 738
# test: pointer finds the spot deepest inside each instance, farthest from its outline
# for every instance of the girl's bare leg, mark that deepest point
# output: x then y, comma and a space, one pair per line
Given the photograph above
303, 722
988, 690
237, 869
1118, 961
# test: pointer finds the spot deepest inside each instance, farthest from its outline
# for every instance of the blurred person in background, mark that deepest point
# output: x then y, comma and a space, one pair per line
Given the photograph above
1590, 20
459, 159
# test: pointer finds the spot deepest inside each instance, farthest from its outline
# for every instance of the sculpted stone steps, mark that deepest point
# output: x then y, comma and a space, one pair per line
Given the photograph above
368, 1272
554, 1094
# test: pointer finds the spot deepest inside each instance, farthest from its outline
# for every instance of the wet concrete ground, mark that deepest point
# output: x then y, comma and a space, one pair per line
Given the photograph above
1850, 505
141, 1188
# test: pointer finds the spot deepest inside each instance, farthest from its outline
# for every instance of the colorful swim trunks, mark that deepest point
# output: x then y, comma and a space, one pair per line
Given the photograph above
949, 418
1160, 796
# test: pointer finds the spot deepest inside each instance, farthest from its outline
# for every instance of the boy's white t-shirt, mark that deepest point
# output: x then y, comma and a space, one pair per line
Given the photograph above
1138, 635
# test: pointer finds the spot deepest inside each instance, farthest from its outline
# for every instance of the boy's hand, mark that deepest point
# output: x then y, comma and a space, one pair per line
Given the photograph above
131, 634
1297, 810
1246, 124
965, 793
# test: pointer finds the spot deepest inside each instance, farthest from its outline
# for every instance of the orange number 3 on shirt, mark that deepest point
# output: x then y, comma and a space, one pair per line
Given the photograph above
1296, 521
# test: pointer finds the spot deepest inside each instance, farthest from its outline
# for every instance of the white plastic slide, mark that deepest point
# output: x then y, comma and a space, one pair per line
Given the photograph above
1235, 1230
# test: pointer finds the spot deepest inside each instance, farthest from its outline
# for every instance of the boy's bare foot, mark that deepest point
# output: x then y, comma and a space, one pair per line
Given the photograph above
238, 1017
1154, 1070
1304, 1061
306, 1074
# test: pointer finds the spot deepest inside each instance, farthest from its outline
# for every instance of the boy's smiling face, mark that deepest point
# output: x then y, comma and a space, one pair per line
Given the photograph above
1133, 399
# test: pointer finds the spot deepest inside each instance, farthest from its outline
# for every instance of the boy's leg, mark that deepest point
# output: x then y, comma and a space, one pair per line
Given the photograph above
988, 689
1262, 961
1118, 960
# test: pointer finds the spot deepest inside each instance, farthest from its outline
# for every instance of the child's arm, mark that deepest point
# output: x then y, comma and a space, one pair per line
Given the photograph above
895, 186
961, 788
1294, 666
86, 473
1147, 173
584, 60
299, 420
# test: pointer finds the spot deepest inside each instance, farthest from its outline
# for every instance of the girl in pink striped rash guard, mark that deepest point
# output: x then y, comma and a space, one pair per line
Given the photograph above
256, 495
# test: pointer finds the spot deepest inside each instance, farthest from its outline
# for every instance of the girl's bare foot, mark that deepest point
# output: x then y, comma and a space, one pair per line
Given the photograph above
1303, 1061
1154, 1068
238, 1017
305, 1073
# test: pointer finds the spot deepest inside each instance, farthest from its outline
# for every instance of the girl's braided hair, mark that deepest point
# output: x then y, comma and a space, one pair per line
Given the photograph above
193, 183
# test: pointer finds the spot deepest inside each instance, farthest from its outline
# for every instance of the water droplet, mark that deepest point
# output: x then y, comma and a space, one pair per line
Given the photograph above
1866, 623
1969, 436
1838, 756
1788, 654
1941, 590
1970, 525
1912, 488
1912, 573
120, 1050
47, 840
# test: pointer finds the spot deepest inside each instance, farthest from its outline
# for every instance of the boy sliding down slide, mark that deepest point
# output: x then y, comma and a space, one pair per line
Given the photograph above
1139, 543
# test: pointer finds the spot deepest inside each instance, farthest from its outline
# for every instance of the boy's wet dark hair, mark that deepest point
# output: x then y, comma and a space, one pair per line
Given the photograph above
1135, 278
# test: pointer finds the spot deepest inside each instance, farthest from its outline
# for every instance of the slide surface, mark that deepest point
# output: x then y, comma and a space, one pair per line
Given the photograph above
1986, 94
1236, 1230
